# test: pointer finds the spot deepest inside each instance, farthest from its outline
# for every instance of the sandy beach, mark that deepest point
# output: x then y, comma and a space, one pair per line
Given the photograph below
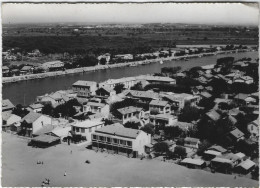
20, 168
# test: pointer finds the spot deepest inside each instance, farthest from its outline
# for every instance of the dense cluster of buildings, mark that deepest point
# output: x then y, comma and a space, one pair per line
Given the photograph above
159, 109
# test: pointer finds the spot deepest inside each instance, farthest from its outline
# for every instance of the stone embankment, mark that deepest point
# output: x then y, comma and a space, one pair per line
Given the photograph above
100, 67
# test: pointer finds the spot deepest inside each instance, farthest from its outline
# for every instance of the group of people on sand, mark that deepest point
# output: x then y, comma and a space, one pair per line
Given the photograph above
39, 162
46, 182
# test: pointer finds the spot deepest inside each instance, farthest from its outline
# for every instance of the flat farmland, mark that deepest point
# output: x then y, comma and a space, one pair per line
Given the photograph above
65, 39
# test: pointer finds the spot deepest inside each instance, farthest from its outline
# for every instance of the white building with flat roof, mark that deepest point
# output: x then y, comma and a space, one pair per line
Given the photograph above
86, 128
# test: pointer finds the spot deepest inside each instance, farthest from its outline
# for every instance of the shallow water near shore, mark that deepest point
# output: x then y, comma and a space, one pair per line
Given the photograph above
25, 92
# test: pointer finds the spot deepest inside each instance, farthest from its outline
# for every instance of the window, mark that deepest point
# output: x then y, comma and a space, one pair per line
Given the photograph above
108, 140
82, 130
74, 129
77, 129
122, 142
129, 143
115, 141
94, 137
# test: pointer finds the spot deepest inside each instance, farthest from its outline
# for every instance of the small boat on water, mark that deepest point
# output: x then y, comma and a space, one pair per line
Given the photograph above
133, 65
161, 62
185, 59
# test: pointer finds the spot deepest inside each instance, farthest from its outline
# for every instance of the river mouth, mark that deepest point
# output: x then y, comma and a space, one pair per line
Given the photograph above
25, 92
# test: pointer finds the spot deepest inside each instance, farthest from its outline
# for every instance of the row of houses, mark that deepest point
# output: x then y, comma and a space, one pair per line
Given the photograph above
30, 69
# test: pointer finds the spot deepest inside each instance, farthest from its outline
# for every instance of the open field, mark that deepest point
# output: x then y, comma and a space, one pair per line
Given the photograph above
19, 168
57, 38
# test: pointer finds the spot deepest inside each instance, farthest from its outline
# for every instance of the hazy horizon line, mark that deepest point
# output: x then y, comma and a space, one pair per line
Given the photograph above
129, 23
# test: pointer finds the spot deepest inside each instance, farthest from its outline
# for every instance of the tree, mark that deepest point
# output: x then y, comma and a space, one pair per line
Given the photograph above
203, 146
103, 61
207, 103
223, 106
161, 147
119, 88
154, 111
138, 86
255, 173
132, 125
180, 151
47, 109
173, 132
189, 113
19, 110
108, 122
148, 128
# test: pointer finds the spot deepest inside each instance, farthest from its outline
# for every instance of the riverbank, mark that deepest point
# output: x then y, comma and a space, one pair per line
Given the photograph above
100, 67
104, 169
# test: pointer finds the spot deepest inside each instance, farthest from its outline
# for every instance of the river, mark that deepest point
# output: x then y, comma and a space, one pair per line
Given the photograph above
25, 92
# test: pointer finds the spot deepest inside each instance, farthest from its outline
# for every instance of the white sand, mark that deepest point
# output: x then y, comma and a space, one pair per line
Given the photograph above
19, 168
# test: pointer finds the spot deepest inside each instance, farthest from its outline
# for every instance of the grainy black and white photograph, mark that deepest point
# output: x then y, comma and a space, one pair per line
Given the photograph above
130, 94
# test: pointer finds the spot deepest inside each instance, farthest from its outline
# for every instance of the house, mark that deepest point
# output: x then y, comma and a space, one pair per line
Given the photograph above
205, 95
211, 154
148, 79
183, 125
121, 140
142, 96
95, 107
253, 128
32, 122
194, 163
61, 132
35, 107
213, 115
53, 65
240, 99
105, 92
129, 113
55, 99
128, 82
27, 69
7, 105
221, 164
245, 167
5, 71
44, 141
162, 107
180, 100
124, 56
105, 56
162, 120
191, 142
218, 149
85, 88
236, 135
244, 79
48, 128
86, 128
8, 119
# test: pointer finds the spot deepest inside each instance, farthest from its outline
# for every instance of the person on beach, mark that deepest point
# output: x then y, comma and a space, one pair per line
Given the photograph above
65, 174
71, 152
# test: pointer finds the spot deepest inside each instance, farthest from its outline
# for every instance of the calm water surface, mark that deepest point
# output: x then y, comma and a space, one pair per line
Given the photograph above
25, 92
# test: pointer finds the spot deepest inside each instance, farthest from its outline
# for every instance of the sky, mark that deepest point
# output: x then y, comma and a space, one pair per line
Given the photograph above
191, 13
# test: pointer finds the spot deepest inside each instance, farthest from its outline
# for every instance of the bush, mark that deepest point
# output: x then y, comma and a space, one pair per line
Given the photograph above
180, 151
161, 147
